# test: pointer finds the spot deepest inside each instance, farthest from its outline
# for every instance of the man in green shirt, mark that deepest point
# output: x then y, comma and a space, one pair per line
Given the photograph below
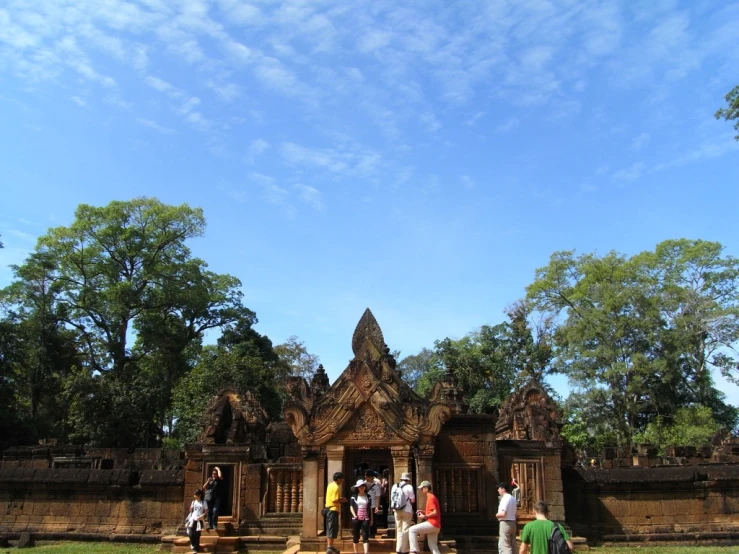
536, 533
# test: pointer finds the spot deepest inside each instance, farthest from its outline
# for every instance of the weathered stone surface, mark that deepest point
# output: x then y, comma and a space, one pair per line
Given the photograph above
25, 540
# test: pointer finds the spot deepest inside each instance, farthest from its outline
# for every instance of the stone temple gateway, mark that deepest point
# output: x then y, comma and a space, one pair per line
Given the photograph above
369, 417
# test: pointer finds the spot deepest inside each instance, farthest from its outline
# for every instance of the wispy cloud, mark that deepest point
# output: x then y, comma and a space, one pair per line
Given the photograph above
467, 182
511, 124
310, 196
81, 102
341, 160
151, 124
640, 141
630, 173
255, 149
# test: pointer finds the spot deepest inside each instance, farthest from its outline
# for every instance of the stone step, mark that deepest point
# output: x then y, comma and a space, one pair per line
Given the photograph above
206, 547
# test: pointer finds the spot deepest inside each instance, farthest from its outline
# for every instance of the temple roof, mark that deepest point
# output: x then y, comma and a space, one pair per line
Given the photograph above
369, 402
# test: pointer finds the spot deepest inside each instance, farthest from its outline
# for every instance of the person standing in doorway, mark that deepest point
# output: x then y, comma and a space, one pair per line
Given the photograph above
334, 500
362, 510
374, 491
402, 498
385, 495
195, 519
507, 517
429, 522
516, 492
535, 534
213, 488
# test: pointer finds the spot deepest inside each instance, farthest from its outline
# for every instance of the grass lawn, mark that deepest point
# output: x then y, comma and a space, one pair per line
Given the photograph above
664, 550
87, 548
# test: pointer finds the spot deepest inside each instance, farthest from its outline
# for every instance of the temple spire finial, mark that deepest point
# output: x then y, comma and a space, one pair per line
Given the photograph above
367, 329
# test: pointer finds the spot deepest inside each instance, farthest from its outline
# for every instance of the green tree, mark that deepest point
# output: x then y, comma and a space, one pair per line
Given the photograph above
490, 362
480, 362
627, 338
421, 370
528, 343
45, 351
296, 359
691, 426
731, 112
125, 282
243, 360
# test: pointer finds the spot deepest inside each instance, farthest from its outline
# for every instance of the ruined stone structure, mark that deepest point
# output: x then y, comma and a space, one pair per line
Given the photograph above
276, 472
370, 417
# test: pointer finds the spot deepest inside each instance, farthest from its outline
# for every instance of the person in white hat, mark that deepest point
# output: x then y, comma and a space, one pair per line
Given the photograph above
402, 498
362, 510
429, 522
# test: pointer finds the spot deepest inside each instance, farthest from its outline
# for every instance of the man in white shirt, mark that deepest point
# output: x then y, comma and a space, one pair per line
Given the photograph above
375, 491
405, 495
507, 517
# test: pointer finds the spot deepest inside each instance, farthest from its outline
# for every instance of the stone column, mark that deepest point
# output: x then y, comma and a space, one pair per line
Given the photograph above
401, 461
335, 462
424, 471
335, 455
311, 509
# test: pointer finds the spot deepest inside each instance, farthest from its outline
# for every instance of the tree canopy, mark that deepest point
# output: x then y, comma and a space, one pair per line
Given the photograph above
639, 336
731, 111
103, 336
121, 306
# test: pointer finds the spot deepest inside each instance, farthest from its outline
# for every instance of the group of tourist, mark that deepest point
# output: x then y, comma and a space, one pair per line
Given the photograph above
206, 503
365, 504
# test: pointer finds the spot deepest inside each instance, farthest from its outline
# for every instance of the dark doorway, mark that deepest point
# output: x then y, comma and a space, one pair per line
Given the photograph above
356, 462
227, 488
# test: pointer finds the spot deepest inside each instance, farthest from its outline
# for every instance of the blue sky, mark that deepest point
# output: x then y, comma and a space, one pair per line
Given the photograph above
418, 158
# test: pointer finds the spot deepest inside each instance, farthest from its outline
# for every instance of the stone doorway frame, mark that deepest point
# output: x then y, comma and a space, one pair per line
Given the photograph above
235, 489
539, 489
351, 456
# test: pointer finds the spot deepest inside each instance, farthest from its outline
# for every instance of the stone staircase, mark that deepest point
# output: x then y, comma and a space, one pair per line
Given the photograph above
223, 542
377, 546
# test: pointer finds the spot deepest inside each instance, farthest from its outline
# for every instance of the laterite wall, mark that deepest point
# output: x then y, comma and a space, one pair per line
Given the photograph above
680, 503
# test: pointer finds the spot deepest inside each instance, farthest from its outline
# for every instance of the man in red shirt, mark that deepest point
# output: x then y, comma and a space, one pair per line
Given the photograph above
430, 522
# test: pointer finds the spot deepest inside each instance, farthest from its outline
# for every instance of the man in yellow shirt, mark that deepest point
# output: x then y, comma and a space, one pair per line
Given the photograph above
334, 500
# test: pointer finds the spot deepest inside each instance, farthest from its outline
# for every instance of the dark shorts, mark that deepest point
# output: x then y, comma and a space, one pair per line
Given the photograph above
360, 526
332, 525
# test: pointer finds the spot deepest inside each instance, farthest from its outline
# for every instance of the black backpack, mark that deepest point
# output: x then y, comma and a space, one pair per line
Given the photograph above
557, 543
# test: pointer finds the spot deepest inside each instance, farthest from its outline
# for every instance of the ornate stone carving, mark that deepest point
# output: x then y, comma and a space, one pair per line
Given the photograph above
367, 330
233, 418
369, 401
529, 415
366, 426
448, 391
319, 384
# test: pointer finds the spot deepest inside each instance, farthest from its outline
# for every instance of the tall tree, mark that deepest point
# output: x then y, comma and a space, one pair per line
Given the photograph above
421, 370
731, 112
296, 359
626, 326
46, 352
489, 362
243, 360
124, 280
528, 342
481, 364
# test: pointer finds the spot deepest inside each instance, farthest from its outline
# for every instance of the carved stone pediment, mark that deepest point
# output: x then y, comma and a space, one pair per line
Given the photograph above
234, 418
369, 402
530, 414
